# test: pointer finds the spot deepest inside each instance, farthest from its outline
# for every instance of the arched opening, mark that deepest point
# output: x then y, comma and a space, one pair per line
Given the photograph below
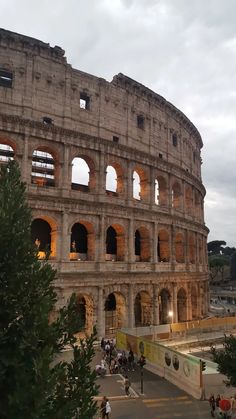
160, 191
179, 248
85, 314
111, 180
194, 303
79, 242
137, 245
142, 245
182, 305
163, 246
164, 300
81, 308
80, 175
41, 237
111, 244
136, 186
115, 313
192, 248
6, 153
188, 199
43, 168
142, 309
115, 243
176, 196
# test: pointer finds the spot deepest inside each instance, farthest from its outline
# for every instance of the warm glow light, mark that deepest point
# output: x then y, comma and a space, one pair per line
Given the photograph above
170, 314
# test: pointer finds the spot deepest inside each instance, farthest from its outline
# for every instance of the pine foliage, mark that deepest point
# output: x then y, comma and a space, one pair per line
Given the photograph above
33, 385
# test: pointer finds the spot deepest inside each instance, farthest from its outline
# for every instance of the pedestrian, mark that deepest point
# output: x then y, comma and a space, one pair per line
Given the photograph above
131, 360
108, 409
103, 344
127, 385
218, 399
103, 407
212, 403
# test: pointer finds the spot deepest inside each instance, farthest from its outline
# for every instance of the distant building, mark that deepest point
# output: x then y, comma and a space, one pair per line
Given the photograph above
113, 175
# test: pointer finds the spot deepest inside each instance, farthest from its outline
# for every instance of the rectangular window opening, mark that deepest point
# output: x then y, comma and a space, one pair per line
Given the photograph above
174, 140
140, 121
115, 139
84, 101
6, 78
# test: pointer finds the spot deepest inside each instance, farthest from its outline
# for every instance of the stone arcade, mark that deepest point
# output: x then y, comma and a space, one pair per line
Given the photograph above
113, 175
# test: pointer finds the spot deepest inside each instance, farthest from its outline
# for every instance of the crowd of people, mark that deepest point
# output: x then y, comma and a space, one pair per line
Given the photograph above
116, 362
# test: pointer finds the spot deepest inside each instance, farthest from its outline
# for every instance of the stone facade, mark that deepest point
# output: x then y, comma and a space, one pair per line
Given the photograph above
135, 253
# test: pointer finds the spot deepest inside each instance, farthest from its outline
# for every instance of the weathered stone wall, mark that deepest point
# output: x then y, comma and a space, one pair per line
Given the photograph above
131, 128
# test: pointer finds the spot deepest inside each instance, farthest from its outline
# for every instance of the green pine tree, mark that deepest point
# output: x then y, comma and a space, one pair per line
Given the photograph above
226, 359
33, 384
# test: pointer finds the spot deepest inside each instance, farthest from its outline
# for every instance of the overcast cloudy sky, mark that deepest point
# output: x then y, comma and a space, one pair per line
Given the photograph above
185, 50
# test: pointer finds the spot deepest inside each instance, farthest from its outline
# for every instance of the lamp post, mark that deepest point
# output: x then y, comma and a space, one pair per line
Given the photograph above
142, 362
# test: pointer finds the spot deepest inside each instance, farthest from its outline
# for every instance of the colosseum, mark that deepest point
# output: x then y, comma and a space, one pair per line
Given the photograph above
113, 175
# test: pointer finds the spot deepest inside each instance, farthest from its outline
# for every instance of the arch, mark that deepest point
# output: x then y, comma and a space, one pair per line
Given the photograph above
83, 173
164, 300
160, 191
44, 237
142, 245
85, 309
192, 248
111, 179
136, 186
194, 302
115, 243
82, 244
163, 246
182, 305
114, 179
115, 312
176, 196
140, 184
188, 199
143, 309
179, 248
7, 153
44, 171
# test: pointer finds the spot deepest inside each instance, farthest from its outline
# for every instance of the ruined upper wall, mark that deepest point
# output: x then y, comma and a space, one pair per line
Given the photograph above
44, 84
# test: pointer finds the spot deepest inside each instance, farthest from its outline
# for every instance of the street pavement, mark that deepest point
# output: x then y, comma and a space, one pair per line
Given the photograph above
161, 399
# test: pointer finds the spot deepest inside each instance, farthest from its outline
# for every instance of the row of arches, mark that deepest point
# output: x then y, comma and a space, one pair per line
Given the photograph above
83, 243
45, 172
116, 310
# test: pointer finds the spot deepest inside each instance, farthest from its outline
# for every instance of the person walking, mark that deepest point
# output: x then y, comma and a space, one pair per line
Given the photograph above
103, 407
127, 385
212, 403
108, 409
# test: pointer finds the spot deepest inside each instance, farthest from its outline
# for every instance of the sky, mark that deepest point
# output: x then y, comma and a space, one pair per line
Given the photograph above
184, 50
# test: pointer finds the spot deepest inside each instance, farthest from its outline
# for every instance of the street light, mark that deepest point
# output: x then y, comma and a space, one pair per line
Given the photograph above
142, 362
170, 314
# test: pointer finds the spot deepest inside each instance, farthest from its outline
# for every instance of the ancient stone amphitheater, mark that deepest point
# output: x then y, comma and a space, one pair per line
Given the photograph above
113, 175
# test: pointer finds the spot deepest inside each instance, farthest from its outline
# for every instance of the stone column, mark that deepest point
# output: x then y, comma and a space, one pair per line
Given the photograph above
102, 175
26, 163
66, 178
155, 240
172, 244
189, 303
175, 305
65, 238
100, 314
101, 239
129, 181
131, 307
131, 247
156, 319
